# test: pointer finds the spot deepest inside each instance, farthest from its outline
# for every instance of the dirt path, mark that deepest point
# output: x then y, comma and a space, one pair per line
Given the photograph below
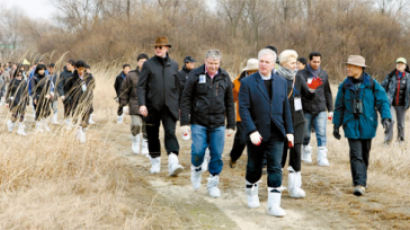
329, 203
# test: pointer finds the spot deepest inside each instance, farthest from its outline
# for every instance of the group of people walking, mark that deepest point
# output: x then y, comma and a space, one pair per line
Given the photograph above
280, 100
39, 87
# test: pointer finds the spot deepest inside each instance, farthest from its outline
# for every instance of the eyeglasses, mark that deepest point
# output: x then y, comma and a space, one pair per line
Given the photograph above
158, 47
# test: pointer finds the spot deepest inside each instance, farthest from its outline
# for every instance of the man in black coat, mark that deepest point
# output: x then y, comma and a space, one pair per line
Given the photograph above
316, 109
158, 97
117, 86
62, 89
189, 65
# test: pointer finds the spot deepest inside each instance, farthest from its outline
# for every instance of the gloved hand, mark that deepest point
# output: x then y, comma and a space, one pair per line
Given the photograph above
386, 124
290, 138
336, 133
256, 138
316, 83
229, 132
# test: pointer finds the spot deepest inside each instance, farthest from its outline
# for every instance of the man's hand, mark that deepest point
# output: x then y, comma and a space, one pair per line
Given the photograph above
330, 116
229, 132
186, 130
291, 140
256, 138
336, 133
143, 110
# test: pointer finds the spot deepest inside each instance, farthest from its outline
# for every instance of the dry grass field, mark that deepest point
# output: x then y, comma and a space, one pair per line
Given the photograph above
51, 181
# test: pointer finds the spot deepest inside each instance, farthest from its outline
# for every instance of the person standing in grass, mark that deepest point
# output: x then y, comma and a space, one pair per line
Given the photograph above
16, 100
63, 89
80, 97
54, 104
117, 86
358, 99
129, 96
43, 93
397, 86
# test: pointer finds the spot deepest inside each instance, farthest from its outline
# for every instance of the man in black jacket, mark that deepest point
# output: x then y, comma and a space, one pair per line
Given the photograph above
65, 77
314, 109
117, 86
158, 97
189, 65
206, 100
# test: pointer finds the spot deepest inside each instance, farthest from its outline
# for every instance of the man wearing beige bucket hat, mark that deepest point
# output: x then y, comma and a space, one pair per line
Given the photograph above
158, 97
239, 142
358, 99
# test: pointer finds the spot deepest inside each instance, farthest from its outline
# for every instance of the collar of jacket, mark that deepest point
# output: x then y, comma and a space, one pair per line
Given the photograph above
201, 70
366, 81
163, 61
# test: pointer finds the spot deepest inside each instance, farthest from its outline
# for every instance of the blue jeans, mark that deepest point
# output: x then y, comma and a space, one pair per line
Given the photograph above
273, 151
202, 137
319, 124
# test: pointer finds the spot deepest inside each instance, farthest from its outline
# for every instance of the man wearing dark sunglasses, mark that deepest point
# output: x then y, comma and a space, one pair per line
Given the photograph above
158, 97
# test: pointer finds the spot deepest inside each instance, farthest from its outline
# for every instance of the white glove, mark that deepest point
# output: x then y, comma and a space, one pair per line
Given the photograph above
229, 132
256, 138
186, 130
290, 138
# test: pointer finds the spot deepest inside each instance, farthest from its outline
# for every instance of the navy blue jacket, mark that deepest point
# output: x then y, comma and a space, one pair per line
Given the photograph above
258, 111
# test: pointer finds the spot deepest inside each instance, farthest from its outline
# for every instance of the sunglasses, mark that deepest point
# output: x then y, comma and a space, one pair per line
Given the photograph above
159, 47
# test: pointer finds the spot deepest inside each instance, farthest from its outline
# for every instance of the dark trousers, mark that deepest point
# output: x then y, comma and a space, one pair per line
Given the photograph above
153, 122
359, 159
120, 110
273, 150
239, 142
67, 108
296, 151
399, 116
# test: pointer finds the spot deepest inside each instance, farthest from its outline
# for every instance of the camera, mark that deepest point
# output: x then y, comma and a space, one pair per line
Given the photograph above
357, 107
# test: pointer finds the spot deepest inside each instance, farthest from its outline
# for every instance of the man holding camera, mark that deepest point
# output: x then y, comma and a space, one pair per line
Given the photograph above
358, 98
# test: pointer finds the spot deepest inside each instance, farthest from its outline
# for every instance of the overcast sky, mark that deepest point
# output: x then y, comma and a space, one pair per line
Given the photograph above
33, 8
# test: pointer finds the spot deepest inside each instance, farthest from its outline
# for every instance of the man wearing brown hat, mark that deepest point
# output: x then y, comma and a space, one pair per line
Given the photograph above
158, 97
358, 99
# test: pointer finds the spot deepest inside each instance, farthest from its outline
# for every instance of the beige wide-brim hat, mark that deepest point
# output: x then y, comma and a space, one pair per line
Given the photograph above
251, 64
356, 60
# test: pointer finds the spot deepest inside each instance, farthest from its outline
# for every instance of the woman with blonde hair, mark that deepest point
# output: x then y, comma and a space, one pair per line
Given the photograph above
297, 88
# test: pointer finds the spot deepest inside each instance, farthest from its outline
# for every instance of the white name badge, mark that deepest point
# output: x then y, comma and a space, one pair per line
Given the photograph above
309, 80
202, 79
298, 103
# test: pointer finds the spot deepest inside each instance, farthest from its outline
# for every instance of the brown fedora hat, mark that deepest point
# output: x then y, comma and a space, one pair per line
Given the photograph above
356, 60
162, 41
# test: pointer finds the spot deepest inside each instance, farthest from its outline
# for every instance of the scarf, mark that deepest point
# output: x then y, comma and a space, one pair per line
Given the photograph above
315, 73
286, 73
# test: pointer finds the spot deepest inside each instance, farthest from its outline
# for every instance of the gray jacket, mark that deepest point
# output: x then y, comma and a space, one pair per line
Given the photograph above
390, 83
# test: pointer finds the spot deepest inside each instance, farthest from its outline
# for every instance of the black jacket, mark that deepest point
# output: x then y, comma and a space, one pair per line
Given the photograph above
41, 85
158, 85
207, 103
118, 83
129, 93
65, 76
322, 99
77, 94
17, 93
183, 77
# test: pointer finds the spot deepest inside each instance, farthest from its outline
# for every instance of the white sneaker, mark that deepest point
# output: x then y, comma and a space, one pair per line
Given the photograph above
20, 130
10, 126
144, 149
213, 189
294, 184
174, 168
136, 144
91, 121
54, 119
81, 135
155, 165
120, 119
322, 157
307, 154
45, 125
274, 197
39, 127
196, 173
252, 191
207, 159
